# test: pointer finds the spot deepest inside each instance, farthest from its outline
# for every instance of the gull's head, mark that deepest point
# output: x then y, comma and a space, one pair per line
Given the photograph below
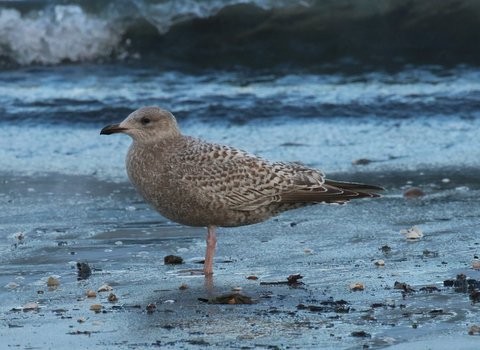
147, 124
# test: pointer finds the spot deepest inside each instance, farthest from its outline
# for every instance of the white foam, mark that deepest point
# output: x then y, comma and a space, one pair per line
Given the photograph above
61, 33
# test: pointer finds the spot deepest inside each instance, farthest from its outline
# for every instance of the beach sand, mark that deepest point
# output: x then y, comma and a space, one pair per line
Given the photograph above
52, 222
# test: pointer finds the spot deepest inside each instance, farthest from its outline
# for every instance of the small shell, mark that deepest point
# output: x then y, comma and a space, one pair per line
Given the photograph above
476, 264
32, 306
357, 286
91, 293
12, 285
379, 263
105, 288
412, 234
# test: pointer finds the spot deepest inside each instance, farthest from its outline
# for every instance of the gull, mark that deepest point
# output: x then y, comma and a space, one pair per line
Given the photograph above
202, 184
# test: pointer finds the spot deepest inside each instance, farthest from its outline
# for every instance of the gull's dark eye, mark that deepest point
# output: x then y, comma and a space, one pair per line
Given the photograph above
145, 120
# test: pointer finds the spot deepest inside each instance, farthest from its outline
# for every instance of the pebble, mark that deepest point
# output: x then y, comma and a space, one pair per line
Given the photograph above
379, 262
183, 286
53, 282
357, 286
91, 293
172, 260
105, 288
96, 307
474, 329
413, 192
112, 298
252, 277
151, 308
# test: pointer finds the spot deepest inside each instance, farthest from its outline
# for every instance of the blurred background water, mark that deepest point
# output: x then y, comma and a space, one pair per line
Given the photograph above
322, 82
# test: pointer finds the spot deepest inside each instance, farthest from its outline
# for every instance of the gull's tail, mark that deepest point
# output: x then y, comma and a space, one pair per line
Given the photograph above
333, 192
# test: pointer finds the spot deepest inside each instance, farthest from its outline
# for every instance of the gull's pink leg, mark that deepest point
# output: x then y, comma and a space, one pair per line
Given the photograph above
211, 243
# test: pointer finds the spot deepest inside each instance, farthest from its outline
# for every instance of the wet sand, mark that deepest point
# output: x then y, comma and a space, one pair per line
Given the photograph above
50, 223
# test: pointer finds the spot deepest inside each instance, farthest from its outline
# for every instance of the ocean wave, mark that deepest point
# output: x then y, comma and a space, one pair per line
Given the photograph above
258, 33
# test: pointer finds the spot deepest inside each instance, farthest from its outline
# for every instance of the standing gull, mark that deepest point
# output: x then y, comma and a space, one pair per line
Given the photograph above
197, 183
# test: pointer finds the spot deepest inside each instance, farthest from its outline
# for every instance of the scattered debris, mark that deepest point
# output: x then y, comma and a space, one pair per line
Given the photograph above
362, 161
77, 332
83, 271
292, 281
337, 306
105, 288
429, 254
230, 298
475, 296
81, 320
361, 334
357, 286
412, 234
413, 192
430, 289
462, 284
385, 249
403, 286
151, 308
172, 260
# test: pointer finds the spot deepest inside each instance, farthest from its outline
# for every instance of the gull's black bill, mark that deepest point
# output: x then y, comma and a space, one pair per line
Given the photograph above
112, 129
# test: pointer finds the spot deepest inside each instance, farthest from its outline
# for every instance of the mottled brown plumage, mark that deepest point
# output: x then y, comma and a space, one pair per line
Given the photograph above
197, 183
